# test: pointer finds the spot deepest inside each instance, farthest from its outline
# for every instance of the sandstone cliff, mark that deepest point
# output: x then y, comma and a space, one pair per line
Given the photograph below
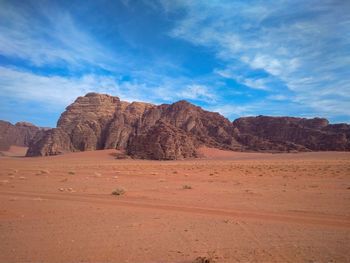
292, 134
163, 141
99, 121
19, 134
175, 131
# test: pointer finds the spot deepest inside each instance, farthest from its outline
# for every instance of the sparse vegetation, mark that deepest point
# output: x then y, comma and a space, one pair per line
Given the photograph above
209, 258
14, 171
71, 172
186, 186
118, 191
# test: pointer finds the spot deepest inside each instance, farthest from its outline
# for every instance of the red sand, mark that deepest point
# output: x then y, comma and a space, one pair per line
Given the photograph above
15, 151
242, 207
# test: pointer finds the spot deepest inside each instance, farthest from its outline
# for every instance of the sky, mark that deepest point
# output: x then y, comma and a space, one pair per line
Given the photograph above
236, 57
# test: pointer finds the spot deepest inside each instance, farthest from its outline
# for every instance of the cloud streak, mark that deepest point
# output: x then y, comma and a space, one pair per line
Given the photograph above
302, 44
240, 58
50, 38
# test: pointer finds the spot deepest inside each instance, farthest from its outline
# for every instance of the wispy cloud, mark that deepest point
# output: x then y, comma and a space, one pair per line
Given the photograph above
58, 91
54, 90
302, 44
254, 83
277, 97
234, 111
237, 57
49, 36
197, 92
52, 38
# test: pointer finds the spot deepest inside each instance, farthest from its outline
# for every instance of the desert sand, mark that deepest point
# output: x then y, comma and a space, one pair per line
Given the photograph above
232, 207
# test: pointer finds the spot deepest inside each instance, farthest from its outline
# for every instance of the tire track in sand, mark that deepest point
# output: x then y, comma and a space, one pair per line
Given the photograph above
313, 219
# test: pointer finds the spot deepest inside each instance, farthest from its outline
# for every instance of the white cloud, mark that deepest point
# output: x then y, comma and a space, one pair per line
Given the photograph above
278, 97
254, 83
234, 110
59, 40
197, 92
301, 44
270, 64
56, 91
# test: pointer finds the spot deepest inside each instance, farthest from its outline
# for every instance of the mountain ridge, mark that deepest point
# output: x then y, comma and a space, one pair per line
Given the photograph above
174, 131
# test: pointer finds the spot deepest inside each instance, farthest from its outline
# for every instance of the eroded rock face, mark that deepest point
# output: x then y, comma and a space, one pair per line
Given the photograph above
86, 120
292, 134
99, 121
163, 142
93, 122
50, 142
19, 134
209, 128
175, 131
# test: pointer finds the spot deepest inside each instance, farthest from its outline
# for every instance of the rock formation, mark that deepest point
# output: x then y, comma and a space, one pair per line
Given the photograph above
292, 134
19, 134
143, 130
175, 131
163, 142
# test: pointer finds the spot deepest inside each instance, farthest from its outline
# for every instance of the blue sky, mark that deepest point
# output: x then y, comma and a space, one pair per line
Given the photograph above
239, 58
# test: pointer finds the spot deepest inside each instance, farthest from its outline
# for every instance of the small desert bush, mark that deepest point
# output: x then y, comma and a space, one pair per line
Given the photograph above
118, 191
13, 172
210, 258
186, 186
204, 260
71, 172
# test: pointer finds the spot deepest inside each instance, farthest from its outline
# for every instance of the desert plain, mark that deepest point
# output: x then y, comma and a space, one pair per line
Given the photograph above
225, 206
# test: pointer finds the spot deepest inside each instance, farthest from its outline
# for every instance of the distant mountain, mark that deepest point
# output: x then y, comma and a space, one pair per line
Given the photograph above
175, 131
289, 133
19, 134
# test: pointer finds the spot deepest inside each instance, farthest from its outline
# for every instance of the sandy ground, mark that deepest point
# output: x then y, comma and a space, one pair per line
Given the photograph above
241, 207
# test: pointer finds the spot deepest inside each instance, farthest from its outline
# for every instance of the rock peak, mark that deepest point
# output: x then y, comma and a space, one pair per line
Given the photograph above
25, 124
96, 94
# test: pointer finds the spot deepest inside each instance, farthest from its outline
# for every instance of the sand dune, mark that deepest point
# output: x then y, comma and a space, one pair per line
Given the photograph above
239, 207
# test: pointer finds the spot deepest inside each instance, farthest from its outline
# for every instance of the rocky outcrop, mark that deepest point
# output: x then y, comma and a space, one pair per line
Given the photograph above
50, 142
93, 122
292, 134
209, 128
175, 131
143, 130
163, 142
19, 134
